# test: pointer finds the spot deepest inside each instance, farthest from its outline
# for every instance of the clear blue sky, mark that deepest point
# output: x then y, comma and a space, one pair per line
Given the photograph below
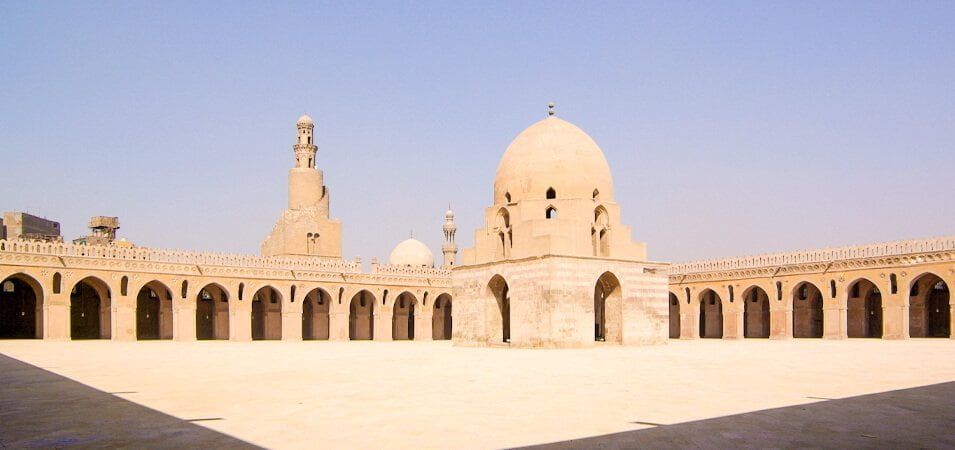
731, 127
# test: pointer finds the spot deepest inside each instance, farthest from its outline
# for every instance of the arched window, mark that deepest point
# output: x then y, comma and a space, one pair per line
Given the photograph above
731, 293
893, 283
832, 288
123, 285
551, 193
779, 290
57, 281
292, 297
596, 194
687, 296
551, 212
241, 290
507, 197
185, 288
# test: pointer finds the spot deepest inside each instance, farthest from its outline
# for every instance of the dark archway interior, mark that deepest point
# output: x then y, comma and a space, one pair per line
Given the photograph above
315, 315
89, 310
266, 314
711, 315
402, 318
502, 323
154, 312
674, 317
807, 311
441, 322
361, 321
212, 313
929, 308
864, 312
19, 310
756, 313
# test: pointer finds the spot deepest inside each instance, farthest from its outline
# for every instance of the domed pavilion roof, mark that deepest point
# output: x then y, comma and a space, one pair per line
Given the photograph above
552, 154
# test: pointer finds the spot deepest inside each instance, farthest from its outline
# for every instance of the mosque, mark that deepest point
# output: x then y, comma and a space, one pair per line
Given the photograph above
552, 267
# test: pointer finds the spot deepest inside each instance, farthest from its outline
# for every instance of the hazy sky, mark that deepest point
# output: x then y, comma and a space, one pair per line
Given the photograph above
731, 127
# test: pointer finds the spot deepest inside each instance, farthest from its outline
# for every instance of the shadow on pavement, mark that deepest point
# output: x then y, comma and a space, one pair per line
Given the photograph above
922, 417
40, 409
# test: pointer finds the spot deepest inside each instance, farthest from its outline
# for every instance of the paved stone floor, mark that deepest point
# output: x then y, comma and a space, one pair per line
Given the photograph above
705, 394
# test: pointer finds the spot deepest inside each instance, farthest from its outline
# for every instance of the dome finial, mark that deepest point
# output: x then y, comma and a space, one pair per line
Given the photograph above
550, 109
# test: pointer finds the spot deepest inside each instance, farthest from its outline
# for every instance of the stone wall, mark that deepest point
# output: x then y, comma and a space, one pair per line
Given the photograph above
551, 302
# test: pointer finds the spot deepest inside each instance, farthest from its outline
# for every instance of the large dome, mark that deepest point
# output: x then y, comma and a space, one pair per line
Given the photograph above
552, 153
412, 252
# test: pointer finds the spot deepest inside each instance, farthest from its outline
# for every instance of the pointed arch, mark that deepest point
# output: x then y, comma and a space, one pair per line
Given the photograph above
361, 320
608, 309
807, 305
21, 307
212, 312
864, 309
267, 314
550, 212
316, 308
674, 316
551, 193
403, 317
929, 307
57, 282
755, 313
154, 311
600, 232
498, 310
90, 309
502, 230
711, 314
441, 318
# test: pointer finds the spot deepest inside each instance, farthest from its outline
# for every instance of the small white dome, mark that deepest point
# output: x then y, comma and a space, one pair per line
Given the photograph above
449, 214
412, 252
305, 120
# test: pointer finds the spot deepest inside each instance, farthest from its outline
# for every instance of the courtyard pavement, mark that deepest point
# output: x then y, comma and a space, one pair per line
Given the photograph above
703, 394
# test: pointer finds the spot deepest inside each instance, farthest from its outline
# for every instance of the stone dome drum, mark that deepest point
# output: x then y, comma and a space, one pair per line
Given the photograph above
552, 153
412, 252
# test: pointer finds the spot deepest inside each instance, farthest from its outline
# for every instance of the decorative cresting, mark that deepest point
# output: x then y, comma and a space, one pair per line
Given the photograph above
420, 271
886, 253
145, 254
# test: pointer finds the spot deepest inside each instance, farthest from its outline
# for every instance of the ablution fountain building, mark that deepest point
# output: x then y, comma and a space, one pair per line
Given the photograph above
553, 266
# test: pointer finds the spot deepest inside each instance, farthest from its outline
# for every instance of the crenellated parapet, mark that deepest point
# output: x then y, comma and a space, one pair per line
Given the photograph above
412, 271
144, 258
